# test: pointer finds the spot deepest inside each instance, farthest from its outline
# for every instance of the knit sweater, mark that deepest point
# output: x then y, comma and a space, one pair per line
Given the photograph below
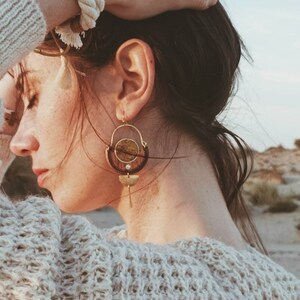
22, 28
46, 256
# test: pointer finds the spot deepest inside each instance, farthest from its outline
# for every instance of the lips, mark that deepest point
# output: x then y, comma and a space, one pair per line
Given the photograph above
41, 175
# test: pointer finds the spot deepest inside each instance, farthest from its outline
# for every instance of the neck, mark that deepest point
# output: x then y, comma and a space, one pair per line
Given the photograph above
183, 202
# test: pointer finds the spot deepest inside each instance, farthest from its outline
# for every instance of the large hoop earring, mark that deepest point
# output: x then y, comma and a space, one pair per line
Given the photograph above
127, 156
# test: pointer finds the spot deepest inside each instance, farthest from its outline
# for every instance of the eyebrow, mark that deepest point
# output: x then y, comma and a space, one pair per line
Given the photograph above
29, 76
32, 75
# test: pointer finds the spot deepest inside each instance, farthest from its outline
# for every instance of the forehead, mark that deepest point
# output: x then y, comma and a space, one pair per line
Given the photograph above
41, 67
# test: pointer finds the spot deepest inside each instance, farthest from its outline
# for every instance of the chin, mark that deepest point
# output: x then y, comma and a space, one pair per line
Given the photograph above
71, 209
65, 205
83, 199
74, 206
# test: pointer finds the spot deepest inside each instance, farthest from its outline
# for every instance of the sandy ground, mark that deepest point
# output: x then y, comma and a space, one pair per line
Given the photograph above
281, 237
278, 232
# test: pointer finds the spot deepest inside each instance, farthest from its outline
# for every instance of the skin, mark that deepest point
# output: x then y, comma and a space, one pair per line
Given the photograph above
181, 202
9, 93
57, 11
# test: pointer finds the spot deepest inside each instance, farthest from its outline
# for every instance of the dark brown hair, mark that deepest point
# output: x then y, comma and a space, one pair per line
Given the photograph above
197, 56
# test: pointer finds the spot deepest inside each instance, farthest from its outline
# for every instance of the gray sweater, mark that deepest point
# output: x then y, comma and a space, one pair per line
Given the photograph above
22, 28
46, 256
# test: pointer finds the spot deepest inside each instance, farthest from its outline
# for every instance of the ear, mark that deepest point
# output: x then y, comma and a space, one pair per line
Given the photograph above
134, 63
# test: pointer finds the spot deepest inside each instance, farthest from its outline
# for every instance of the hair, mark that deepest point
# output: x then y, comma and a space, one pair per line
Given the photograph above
196, 57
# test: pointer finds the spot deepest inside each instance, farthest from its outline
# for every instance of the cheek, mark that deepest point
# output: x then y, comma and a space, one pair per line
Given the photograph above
87, 185
85, 174
55, 112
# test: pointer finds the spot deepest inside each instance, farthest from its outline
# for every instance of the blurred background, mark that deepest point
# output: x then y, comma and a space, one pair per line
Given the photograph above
266, 108
265, 112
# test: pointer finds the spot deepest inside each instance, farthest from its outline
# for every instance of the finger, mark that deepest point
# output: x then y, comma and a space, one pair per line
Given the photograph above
211, 3
194, 4
139, 9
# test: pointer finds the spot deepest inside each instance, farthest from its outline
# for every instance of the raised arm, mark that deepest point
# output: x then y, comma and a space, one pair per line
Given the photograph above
24, 23
22, 27
140, 9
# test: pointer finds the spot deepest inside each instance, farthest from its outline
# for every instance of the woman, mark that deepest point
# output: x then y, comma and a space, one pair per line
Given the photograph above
139, 99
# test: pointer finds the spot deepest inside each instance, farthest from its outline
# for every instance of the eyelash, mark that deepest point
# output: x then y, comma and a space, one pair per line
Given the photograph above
32, 101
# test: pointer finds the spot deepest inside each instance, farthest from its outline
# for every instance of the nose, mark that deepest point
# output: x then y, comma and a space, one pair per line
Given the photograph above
24, 141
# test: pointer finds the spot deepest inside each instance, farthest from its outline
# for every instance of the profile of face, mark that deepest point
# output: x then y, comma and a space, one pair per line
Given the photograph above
67, 147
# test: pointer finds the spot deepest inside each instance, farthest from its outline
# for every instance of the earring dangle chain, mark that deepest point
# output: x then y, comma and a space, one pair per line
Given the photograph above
127, 155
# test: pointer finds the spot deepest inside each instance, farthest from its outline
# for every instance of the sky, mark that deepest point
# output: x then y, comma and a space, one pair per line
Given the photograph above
266, 109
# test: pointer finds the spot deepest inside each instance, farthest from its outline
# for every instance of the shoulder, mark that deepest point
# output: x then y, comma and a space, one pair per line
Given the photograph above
243, 272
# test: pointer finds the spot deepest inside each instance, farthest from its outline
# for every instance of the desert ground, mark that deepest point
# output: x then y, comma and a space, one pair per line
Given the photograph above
280, 232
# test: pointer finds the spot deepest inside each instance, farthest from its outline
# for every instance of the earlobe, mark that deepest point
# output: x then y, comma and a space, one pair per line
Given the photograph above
134, 63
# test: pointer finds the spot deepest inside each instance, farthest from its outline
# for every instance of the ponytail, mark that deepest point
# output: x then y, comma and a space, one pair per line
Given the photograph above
232, 160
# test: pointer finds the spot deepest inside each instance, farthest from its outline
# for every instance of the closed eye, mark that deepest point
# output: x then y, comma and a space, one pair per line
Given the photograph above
32, 101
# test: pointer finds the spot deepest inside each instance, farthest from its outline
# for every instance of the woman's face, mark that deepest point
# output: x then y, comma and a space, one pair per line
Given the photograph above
67, 154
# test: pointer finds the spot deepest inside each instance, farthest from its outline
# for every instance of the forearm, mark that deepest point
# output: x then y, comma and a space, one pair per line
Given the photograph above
24, 23
22, 28
58, 11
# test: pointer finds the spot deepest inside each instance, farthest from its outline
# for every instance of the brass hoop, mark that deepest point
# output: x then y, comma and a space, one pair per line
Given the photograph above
121, 165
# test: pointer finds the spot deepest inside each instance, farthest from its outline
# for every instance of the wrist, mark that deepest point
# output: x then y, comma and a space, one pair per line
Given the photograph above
56, 11
113, 2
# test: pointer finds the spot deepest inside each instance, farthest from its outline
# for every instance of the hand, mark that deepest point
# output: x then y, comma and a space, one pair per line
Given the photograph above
9, 97
140, 9
57, 11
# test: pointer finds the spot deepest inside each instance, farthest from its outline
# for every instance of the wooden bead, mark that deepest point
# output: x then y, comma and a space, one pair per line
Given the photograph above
129, 180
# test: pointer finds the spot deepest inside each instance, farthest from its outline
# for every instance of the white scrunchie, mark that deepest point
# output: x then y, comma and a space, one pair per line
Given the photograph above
90, 12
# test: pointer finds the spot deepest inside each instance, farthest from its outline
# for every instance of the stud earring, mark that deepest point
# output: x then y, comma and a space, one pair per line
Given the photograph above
127, 155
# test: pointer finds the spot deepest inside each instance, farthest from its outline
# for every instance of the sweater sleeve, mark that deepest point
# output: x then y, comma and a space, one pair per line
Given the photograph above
29, 248
22, 27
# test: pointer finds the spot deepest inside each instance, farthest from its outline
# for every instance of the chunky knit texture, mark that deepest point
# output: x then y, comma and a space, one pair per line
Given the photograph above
46, 256
22, 28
